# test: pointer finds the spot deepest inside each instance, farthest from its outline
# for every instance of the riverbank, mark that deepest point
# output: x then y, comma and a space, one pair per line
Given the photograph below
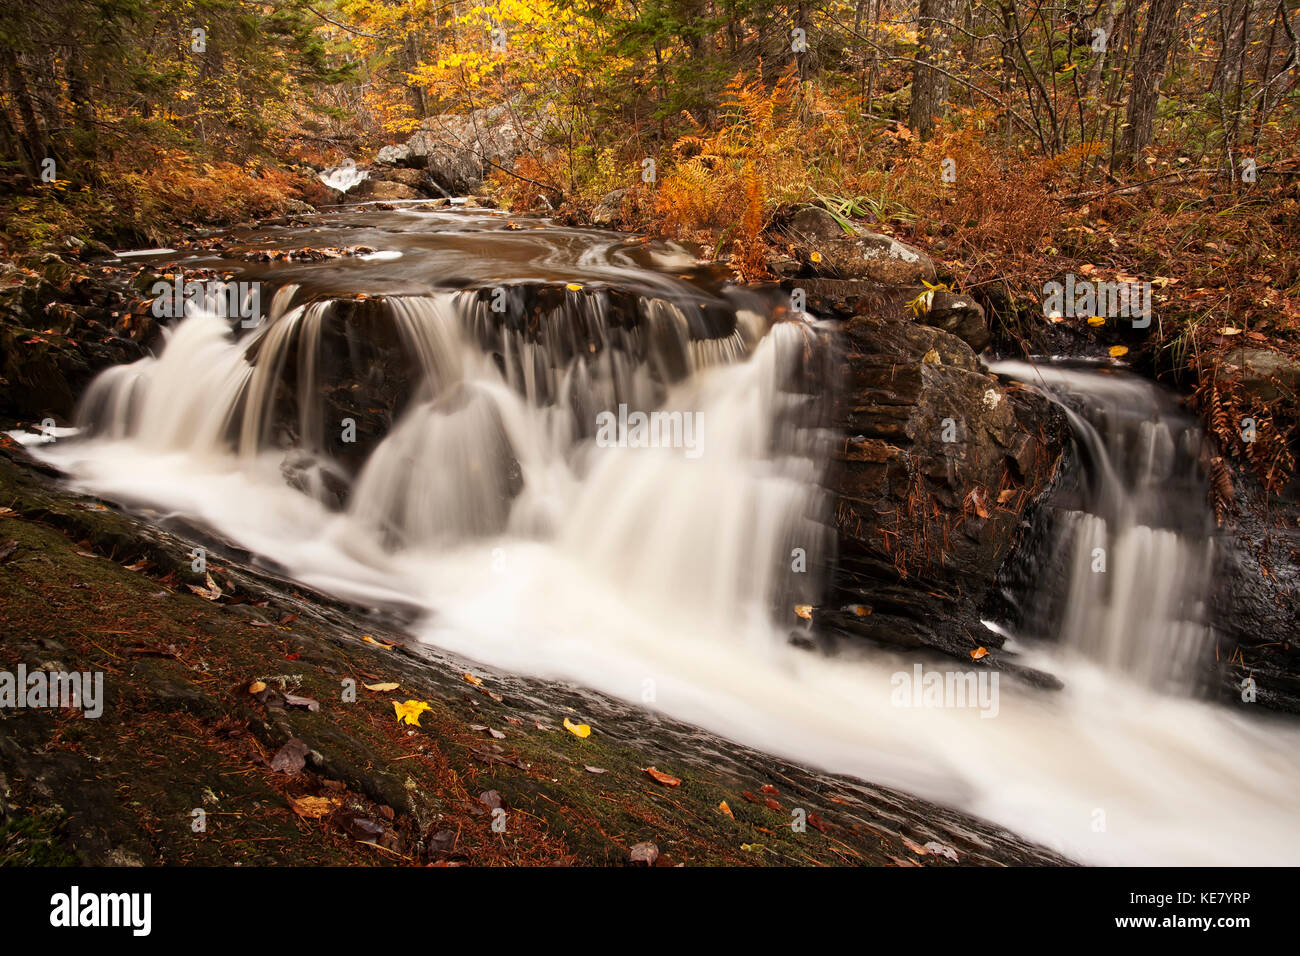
90, 589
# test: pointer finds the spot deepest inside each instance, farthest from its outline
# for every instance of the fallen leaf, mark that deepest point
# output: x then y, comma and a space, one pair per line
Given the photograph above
497, 734
573, 287
726, 809
978, 653
307, 703
1116, 351
578, 730
290, 758
768, 788
752, 847
257, 687
803, 611
1096, 320
591, 769
313, 808
410, 711
942, 849
210, 593
644, 853
471, 679
931, 357
658, 776
387, 685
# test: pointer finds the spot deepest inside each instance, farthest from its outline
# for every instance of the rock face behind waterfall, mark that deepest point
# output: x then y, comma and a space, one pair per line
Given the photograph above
937, 463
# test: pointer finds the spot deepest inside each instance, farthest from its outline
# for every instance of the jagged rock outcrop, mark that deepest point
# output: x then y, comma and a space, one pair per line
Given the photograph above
458, 151
825, 248
937, 463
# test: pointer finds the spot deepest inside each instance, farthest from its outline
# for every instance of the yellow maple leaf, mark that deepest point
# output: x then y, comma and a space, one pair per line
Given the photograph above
410, 711
578, 730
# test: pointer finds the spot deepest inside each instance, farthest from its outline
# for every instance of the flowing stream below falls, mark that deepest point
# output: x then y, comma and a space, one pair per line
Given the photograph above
489, 491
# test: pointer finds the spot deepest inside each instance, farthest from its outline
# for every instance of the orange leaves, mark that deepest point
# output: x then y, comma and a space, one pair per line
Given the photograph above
658, 776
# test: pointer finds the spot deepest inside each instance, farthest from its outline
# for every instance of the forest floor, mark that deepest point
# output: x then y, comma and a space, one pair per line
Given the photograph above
228, 735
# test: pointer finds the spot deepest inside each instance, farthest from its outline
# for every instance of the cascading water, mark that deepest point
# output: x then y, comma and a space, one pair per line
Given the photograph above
1129, 557
491, 486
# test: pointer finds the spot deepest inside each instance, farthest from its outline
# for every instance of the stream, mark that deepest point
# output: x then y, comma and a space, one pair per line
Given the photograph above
497, 487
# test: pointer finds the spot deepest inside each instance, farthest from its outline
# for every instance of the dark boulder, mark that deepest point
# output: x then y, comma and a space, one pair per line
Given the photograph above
936, 467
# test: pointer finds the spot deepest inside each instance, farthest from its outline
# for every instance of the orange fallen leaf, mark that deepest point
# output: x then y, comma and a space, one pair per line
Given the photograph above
726, 809
658, 776
978, 653
471, 679
313, 808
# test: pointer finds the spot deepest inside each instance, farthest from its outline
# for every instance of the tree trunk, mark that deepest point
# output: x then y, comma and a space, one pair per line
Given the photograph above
1148, 72
929, 85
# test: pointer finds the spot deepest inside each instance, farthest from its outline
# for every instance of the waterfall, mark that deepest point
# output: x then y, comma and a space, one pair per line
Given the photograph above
1129, 567
511, 463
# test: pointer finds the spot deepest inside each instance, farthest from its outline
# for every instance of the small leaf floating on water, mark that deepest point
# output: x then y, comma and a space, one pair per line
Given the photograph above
658, 776
578, 730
